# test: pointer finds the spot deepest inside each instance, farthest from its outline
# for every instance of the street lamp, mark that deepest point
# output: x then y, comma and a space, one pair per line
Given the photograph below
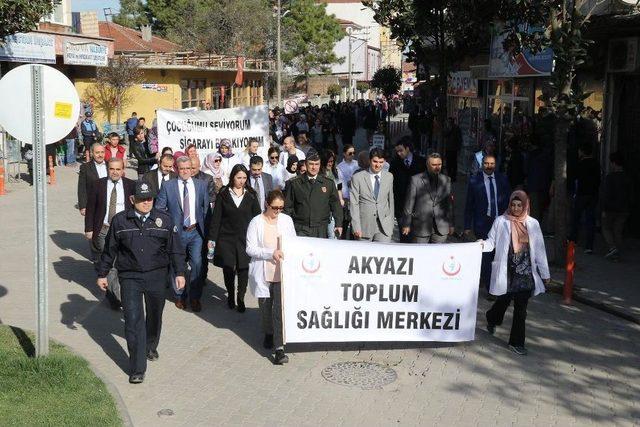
279, 61
349, 31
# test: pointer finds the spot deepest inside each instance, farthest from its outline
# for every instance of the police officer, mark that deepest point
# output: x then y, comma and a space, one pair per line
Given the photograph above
143, 242
310, 200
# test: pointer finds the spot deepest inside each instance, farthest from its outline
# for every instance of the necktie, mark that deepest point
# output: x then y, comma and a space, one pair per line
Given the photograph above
312, 181
186, 209
407, 162
162, 177
113, 199
376, 187
492, 193
256, 185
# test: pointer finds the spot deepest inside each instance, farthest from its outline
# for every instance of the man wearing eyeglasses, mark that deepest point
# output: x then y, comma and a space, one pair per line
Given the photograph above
347, 167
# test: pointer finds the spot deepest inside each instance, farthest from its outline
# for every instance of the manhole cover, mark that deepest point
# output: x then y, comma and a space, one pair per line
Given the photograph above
365, 375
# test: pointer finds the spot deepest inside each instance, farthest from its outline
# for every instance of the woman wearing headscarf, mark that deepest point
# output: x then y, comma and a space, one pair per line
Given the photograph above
292, 168
228, 160
520, 267
211, 166
176, 156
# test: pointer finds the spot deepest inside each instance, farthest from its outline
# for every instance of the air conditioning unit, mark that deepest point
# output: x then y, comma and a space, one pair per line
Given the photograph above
623, 55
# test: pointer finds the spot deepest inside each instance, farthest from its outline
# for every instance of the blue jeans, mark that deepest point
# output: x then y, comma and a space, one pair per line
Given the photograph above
192, 243
71, 151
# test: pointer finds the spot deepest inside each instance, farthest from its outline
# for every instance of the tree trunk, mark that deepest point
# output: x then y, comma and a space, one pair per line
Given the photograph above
560, 201
118, 112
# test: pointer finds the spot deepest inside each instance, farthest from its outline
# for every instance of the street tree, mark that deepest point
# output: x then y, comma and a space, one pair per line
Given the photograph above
132, 14
112, 91
19, 16
333, 90
437, 32
309, 38
560, 25
388, 81
362, 87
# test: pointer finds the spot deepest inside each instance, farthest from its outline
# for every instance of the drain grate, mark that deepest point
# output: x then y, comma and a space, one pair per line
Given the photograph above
366, 375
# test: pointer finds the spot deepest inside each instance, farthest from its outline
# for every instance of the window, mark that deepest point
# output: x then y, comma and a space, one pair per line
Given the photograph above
193, 92
57, 16
220, 95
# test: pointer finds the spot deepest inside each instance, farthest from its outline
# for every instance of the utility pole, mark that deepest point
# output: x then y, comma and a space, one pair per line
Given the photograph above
279, 62
349, 31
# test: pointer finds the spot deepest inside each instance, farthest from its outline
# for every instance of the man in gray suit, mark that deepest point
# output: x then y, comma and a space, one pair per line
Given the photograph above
260, 181
371, 200
428, 207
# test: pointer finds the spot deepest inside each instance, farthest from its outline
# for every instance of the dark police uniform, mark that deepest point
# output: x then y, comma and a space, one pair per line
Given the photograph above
142, 251
310, 203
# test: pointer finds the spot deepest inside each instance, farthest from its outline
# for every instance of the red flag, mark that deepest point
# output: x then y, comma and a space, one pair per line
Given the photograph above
240, 72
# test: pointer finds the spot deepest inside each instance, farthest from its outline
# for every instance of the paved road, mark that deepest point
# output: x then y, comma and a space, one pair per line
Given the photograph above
583, 367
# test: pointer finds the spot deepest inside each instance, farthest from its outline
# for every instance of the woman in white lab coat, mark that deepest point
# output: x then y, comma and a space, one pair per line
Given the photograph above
519, 269
264, 268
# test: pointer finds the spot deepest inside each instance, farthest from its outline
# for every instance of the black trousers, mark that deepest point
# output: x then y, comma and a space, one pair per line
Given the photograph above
312, 231
142, 334
229, 274
495, 315
452, 164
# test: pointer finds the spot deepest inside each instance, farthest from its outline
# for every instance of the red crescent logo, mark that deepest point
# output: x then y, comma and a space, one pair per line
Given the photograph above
310, 264
454, 272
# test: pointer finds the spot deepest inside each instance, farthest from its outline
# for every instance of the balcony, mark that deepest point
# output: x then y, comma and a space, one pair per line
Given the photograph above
199, 61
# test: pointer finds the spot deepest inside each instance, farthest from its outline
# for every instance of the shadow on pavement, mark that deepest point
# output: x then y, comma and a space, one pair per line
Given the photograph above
101, 323
80, 272
24, 341
245, 325
76, 242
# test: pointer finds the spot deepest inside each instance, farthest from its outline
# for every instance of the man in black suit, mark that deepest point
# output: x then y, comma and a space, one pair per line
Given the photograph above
208, 179
260, 181
107, 197
89, 173
405, 165
140, 151
164, 172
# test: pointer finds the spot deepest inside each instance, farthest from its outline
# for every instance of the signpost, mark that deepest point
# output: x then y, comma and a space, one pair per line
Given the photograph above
52, 111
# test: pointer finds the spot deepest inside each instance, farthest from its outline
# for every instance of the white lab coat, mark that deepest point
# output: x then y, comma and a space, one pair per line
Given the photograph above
226, 164
259, 254
499, 239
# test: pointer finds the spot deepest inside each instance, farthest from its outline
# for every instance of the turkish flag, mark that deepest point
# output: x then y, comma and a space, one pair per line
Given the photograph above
240, 72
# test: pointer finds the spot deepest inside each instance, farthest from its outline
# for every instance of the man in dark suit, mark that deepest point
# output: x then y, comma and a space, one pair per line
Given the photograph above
487, 197
403, 167
205, 177
187, 201
428, 207
89, 173
260, 181
310, 199
107, 197
156, 178
140, 151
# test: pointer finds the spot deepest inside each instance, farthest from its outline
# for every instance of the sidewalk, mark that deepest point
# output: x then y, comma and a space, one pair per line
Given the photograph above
583, 367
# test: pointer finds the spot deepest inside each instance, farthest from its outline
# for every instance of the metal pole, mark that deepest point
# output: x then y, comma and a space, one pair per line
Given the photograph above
40, 186
279, 63
349, 94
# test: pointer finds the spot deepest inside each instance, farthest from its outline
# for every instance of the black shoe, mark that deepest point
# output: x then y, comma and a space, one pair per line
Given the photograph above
241, 307
136, 378
280, 358
153, 355
230, 303
519, 350
490, 297
268, 341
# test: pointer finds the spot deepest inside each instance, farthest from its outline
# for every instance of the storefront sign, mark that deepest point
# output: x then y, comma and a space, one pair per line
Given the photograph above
86, 53
525, 64
29, 47
155, 87
461, 84
205, 128
338, 290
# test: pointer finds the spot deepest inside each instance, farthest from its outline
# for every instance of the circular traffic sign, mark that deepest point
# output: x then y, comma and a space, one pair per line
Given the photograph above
61, 105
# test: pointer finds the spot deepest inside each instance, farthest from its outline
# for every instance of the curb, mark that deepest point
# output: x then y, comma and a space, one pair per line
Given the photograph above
556, 287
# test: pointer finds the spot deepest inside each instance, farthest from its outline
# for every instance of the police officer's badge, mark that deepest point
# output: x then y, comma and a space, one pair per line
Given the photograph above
324, 189
158, 222
145, 187
175, 228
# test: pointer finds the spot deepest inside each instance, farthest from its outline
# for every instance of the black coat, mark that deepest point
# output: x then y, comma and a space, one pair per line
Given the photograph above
97, 203
151, 178
143, 156
402, 178
228, 228
87, 177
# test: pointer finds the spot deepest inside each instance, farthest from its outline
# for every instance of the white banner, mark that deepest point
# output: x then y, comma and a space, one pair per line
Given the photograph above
336, 290
205, 129
29, 47
85, 53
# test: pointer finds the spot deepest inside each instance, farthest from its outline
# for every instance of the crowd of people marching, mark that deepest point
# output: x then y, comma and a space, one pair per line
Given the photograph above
184, 211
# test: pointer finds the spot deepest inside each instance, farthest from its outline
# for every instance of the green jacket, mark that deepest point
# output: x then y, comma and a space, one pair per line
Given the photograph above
312, 205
